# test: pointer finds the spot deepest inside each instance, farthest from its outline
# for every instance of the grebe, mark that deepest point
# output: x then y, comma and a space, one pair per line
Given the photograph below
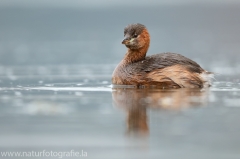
165, 70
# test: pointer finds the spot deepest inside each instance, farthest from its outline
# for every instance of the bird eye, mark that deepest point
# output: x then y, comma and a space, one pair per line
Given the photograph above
135, 35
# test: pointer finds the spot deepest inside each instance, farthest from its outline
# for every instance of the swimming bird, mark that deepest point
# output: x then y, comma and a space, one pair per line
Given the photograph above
164, 70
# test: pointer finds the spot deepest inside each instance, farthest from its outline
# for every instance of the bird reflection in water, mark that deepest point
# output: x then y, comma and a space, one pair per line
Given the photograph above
136, 102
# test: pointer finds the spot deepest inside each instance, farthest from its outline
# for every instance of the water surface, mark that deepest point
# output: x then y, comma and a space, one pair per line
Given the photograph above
75, 107
55, 80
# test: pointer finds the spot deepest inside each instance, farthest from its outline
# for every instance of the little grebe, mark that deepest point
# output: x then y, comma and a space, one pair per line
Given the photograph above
165, 70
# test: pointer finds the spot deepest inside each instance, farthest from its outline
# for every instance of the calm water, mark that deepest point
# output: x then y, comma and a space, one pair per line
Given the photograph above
55, 80
68, 108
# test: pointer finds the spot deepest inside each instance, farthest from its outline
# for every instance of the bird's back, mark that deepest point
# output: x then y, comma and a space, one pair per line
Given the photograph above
166, 70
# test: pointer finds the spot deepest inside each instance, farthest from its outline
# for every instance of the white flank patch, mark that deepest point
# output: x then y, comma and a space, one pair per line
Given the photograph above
207, 78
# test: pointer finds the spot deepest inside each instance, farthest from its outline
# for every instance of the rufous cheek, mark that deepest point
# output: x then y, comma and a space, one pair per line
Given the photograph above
141, 42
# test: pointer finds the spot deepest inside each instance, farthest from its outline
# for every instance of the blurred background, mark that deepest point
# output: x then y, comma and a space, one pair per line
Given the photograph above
90, 32
56, 61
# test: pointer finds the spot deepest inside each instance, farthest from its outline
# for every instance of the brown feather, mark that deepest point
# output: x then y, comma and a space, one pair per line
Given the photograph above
165, 70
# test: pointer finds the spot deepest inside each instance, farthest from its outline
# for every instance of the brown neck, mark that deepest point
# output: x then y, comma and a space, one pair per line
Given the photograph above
135, 55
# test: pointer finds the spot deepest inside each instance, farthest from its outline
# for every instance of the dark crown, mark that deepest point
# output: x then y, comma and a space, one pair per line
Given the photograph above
132, 29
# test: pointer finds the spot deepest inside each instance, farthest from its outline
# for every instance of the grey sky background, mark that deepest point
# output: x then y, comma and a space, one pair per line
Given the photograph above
37, 32
106, 3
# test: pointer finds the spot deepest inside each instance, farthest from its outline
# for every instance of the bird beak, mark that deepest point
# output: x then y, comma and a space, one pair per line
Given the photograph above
126, 40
